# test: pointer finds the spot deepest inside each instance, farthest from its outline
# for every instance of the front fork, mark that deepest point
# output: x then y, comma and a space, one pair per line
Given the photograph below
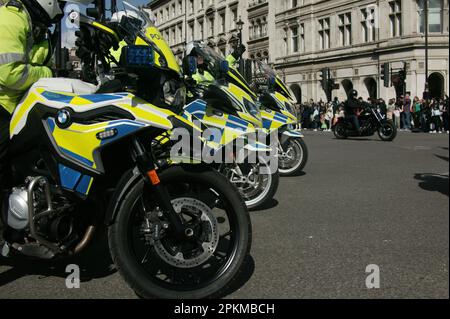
147, 168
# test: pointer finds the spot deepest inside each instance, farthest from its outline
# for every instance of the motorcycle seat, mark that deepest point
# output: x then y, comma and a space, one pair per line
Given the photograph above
66, 85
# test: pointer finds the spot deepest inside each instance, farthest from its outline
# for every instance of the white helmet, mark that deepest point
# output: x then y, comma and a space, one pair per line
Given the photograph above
54, 8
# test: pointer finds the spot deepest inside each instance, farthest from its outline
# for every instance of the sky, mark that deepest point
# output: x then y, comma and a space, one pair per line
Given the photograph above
68, 36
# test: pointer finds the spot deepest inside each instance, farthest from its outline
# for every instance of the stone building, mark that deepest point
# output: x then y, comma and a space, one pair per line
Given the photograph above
213, 21
352, 38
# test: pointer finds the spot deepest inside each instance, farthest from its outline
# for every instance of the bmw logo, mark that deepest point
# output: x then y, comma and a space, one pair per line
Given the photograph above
63, 118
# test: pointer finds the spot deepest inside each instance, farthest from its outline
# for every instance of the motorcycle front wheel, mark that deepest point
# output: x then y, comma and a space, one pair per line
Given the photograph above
156, 264
292, 157
257, 183
387, 131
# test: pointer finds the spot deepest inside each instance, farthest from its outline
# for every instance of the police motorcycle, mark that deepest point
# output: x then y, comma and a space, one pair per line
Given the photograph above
223, 109
277, 113
83, 158
233, 115
371, 122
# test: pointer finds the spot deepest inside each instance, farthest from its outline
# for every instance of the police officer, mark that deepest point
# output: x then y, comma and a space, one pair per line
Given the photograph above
25, 53
351, 106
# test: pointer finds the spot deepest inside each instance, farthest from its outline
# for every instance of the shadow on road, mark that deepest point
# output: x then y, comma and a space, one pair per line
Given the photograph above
94, 263
442, 157
359, 139
295, 175
269, 205
433, 182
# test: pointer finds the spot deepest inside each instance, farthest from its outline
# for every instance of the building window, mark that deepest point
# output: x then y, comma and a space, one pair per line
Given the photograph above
191, 32
302, 37
435, 13
201, 30
233, 18
368, 24
324, 33
211, 26
191, 6
173, 10
180, 34
222, 22
294, 39
264, 27
345, 29
167, 36
201, 4
294, 3
395, 17
285, 42
180, 7
172, 36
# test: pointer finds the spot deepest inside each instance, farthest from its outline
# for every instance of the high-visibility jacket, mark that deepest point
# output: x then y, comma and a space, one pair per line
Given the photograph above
232, 62
20, 58
205, 78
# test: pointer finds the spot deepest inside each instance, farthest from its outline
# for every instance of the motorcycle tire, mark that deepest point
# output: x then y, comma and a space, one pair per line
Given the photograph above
267, 193
340, 131
391, 127
300, 165
147, 285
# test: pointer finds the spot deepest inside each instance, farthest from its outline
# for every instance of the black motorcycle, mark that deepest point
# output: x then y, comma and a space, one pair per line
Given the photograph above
371, 121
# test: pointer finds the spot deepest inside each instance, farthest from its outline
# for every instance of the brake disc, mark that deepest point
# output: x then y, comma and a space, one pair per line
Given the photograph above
209, 236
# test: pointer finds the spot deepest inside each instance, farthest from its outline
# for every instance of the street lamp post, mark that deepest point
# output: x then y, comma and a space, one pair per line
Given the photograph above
240, 27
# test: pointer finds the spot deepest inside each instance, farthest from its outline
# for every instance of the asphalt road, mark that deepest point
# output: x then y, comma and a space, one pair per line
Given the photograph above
359, 202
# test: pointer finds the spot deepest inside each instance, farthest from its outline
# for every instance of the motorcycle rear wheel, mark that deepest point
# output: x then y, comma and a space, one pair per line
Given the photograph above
172, 269
340, 131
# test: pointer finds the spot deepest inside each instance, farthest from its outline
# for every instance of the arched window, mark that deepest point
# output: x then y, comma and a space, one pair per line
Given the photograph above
436, 84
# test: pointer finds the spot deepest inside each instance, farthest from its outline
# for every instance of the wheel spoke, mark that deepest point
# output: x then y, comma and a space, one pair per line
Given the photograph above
145, 259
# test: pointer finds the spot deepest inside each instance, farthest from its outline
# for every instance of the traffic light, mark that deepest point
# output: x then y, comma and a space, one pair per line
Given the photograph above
324, 77
385, 74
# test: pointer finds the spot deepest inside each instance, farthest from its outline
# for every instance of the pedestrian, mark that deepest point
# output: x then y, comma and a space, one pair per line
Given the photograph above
435, 117
406, 113
417, 110
445, 115
397, 115
390, 109
329, 117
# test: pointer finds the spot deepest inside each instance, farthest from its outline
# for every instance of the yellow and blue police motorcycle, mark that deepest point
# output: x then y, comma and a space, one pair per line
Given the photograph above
234, 115
83, 157
277, 112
